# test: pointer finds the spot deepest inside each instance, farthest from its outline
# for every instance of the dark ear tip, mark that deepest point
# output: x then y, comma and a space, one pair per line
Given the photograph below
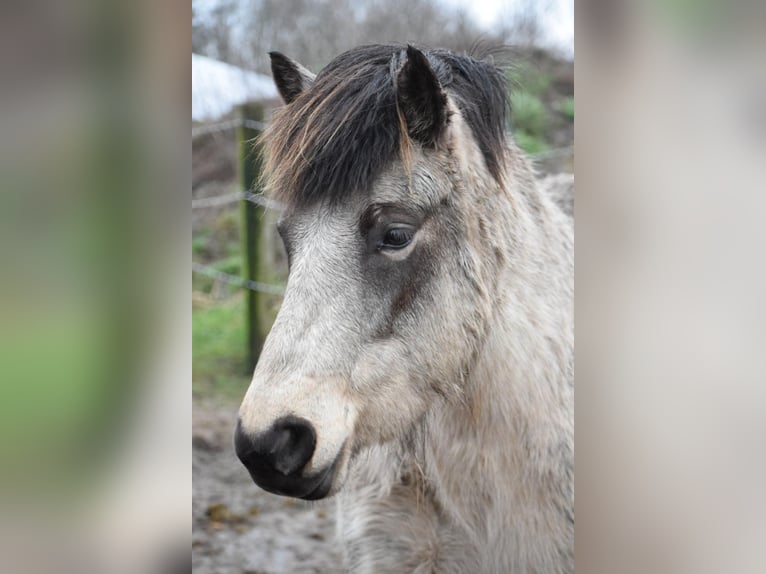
414, 54
274, 55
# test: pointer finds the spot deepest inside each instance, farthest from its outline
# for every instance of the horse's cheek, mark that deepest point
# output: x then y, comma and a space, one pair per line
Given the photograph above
385, 394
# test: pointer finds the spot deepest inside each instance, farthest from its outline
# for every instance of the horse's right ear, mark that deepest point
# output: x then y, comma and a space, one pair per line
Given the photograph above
421, 99
290, 77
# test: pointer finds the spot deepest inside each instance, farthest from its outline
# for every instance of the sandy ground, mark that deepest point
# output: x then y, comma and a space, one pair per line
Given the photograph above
239, 528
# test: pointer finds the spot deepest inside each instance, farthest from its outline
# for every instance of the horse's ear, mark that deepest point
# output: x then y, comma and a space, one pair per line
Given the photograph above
290, 77
421, 98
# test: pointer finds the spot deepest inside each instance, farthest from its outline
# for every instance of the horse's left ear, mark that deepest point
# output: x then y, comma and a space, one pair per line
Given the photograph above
290, 77
421, 98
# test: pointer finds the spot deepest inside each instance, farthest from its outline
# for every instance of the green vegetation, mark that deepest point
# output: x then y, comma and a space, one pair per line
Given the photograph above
226, 226
537, 112
218, 246
530, 144
218, 349
567, 107
530, 80
199, 244
528, 113
231, 265
529, 120
202, 283
529, 116
218, 314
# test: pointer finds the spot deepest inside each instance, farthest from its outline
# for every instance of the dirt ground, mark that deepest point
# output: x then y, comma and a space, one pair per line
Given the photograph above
237, 527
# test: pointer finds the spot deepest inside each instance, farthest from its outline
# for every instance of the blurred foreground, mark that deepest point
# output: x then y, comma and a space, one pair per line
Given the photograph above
670, 282
94, 322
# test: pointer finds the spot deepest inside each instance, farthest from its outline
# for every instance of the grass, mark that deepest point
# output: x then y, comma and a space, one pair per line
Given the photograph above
218, 349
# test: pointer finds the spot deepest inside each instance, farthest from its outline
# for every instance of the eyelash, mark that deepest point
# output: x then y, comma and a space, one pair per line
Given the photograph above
396, 238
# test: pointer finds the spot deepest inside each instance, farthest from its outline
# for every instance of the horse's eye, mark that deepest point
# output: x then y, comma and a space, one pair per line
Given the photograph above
397, 238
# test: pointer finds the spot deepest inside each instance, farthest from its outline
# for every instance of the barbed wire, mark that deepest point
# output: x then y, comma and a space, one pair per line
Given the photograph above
255, 124
264, 201
237, 281
219, 200
227, 125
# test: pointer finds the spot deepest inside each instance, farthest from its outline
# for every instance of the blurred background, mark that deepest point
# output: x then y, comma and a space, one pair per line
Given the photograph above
238, 261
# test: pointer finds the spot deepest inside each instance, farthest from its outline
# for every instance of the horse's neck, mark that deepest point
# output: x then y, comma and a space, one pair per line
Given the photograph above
514, 427
509, 441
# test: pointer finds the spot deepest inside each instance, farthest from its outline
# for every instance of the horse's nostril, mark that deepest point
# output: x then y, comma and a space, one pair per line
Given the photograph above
281, 441
285, 448
294, 442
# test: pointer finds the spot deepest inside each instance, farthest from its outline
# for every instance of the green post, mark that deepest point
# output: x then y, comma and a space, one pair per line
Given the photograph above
252, 220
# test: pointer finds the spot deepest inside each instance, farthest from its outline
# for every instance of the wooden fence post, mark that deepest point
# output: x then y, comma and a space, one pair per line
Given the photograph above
252, 220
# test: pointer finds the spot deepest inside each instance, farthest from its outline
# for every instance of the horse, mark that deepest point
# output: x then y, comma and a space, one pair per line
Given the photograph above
421, 365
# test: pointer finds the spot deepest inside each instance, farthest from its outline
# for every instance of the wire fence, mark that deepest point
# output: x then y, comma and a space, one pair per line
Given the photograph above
225, 126
267, 203
220, 200
230, 198
214, 273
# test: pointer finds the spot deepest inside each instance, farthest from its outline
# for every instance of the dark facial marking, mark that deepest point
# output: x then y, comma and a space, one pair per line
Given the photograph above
383, 225
284, 233
400, 281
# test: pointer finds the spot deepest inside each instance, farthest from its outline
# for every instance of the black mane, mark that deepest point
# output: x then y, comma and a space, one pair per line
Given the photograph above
337, 136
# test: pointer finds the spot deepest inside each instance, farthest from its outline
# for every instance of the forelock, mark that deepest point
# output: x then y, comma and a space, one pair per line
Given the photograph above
335, 138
